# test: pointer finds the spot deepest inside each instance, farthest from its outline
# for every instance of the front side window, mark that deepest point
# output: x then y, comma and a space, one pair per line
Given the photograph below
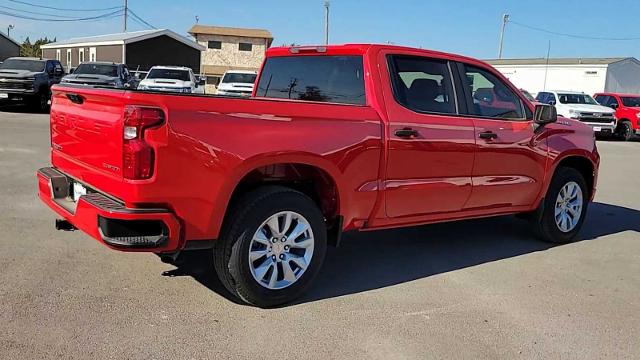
576, 99
337, 79
422, 85
491, 97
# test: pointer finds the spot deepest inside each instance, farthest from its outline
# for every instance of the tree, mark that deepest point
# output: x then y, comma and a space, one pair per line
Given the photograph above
33, 50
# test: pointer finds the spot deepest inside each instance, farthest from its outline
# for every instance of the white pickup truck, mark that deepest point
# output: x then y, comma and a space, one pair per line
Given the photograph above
237, 83
582, 107
171, 79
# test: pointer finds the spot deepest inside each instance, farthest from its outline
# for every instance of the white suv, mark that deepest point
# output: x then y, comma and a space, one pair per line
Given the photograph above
171, 79
237, 83
582, 107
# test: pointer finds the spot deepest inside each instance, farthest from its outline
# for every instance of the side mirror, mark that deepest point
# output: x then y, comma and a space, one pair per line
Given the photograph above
545, 114
614, 106
552, 102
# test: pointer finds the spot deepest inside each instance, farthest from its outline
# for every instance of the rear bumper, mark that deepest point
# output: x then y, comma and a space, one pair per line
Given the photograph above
109, 221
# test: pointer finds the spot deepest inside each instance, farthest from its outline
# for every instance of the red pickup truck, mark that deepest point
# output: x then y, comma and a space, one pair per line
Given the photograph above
336, 138
627, 107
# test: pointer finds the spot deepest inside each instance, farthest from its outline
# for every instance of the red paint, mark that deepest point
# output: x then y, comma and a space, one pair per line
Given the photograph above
206, 145
626, 113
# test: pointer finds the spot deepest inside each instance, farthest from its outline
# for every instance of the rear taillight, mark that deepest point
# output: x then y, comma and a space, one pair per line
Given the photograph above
138, 156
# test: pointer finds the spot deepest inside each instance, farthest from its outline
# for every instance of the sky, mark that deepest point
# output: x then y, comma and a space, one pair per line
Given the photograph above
460, 26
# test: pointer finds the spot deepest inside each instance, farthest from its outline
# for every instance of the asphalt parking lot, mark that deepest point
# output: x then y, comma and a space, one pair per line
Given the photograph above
472, 289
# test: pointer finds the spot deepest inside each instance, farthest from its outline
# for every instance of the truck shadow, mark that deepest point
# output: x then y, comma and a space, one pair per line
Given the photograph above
372, 260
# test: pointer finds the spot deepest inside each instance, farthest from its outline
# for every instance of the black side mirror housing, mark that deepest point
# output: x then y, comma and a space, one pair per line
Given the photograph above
614, 106
545, 114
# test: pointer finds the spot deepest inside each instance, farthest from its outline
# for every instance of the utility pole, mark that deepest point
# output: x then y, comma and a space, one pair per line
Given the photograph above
546, 68
126, 10
326, 22
505, 19
9, 28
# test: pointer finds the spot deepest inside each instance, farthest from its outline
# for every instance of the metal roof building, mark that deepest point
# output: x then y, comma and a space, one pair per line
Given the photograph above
590, 75
137, 49
8, 47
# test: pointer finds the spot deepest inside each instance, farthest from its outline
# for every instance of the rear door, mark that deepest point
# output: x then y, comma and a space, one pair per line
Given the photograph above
510, 158
430, 147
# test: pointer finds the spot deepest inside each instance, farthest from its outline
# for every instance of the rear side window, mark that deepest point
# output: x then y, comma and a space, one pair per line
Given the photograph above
336, 79
422, 85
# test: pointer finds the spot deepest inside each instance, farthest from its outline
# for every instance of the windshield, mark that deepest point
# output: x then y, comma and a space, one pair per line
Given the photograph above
239, 78
169, 74
576, 99
96, 69
631, 101
527, 95
19, 64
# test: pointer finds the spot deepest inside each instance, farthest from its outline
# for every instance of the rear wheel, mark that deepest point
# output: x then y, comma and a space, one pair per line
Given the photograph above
271, 247
625, 130
564, 208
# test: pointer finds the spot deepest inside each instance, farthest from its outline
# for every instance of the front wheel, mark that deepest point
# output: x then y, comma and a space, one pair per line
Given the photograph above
271, 247
41, 101
625, 131
564, 208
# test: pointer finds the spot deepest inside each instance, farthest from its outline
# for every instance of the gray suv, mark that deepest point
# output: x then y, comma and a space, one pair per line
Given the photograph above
29, 80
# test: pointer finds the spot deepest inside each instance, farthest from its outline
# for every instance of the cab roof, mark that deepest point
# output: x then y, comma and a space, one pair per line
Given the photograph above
360, 49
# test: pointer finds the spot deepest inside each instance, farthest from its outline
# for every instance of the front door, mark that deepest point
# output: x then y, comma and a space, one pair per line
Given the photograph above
430, 147
510, 158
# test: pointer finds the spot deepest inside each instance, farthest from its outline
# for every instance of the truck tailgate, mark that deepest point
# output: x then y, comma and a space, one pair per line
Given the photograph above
86, 129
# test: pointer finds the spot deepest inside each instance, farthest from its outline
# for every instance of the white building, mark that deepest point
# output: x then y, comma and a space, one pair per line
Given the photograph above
589, 75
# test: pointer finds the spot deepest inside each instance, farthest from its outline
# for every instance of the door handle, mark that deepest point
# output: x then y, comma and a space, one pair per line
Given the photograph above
406, 133
489, 135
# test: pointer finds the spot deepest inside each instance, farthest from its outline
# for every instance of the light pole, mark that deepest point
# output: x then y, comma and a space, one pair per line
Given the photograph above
9, 28
505, 19
326, 22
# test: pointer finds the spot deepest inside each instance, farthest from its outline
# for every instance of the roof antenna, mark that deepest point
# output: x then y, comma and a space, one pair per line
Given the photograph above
197, 19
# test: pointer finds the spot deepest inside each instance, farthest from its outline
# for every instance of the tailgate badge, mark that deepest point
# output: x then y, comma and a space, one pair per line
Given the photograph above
110, 167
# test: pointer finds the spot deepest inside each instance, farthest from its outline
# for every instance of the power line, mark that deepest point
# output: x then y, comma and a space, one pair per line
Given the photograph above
575, 36
98, 17
62, 9
35, 12
140, 19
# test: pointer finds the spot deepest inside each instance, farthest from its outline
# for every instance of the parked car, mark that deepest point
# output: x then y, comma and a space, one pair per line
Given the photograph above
101, 74
29, 80
171, 79
582, 107
627, 107
237, 83
327, 145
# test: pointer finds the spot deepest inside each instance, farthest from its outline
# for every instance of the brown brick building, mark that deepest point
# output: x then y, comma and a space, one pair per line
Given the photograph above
138, 49
228, 48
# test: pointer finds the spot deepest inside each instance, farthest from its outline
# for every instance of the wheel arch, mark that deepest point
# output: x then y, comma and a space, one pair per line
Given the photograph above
583, 164
310, 174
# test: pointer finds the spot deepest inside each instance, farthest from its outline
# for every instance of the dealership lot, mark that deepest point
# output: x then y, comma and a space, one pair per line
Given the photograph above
481, 288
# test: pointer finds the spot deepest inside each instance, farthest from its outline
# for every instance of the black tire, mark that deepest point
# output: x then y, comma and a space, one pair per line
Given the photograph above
544, 223
40, 101
625, 130
231, 251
